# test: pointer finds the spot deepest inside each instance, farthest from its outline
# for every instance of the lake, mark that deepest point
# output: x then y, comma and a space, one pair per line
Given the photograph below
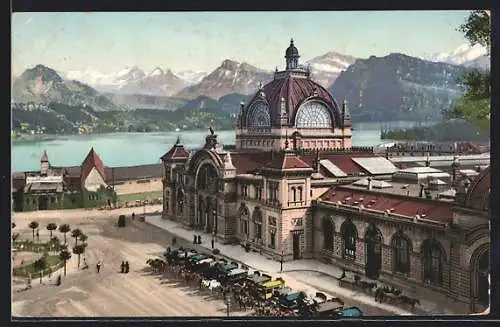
129, 149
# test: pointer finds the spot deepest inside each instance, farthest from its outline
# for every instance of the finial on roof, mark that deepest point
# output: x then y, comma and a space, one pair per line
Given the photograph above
212, 132
178, 141
276, 70
291, 41
260, 85
44, 157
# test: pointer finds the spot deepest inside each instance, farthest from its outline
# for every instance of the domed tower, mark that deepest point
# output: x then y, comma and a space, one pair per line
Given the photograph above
292, 56
295, 108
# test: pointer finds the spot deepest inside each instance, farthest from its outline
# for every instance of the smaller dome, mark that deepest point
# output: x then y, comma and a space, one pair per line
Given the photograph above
291, 51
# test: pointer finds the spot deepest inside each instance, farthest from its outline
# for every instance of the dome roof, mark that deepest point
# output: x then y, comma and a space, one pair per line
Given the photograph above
295, 90
291, 51
478, 194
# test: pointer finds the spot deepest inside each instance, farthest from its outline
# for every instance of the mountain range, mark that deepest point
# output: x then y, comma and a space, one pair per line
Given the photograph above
392, 87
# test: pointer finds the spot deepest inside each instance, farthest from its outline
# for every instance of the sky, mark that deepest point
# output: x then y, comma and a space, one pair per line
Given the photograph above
107, 42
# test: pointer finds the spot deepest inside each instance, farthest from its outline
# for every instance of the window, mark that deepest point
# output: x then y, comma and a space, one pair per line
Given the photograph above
257, 220
433, 257
258, 192
244, 220
313, 114
258, 115
299, 191
244, 190
272, 238
328, 234
293, 193
272, 221
350, 236
401, 252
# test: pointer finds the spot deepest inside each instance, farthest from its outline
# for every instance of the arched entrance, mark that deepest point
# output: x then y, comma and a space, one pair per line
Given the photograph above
481, 271
349, 236
43, 202
200, 216
373, 243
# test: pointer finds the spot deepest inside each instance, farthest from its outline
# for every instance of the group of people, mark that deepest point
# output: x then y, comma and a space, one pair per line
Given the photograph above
197, 239
125, 267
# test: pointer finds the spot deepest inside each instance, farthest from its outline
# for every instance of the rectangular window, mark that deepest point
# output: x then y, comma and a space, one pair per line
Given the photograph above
272, 221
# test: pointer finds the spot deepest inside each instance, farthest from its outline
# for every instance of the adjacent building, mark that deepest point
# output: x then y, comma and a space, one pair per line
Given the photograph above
294, 185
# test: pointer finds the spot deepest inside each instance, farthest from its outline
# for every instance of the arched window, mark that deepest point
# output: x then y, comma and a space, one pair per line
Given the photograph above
299, 191
401, 253
349, 236
313, 114
328, 230
433, 257
244, 220
294, 194
257, 220
258, 115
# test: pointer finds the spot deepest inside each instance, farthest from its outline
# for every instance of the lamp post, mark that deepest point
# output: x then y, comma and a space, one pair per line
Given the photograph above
281, 260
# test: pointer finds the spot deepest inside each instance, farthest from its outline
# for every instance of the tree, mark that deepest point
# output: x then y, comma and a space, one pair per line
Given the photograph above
64, 229
65, 256
76, 233
51, 227
83, 238
78, 250
33, 225
475, 104
41, 264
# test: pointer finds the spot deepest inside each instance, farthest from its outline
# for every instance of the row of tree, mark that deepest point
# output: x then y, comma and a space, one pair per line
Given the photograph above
64, 255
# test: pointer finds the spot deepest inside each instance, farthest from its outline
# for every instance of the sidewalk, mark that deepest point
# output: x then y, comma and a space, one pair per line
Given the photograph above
303, 281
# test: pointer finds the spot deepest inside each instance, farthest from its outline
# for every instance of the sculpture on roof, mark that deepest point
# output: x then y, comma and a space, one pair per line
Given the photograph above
212, 131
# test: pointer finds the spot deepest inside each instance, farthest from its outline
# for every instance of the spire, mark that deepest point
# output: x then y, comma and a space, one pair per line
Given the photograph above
45, 157
178, 141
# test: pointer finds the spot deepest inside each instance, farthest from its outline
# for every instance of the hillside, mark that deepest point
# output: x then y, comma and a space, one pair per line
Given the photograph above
398, 87
229, 77
43, 85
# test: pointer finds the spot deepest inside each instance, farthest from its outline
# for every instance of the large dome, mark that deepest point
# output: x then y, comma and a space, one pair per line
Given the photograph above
478, 195
295, 91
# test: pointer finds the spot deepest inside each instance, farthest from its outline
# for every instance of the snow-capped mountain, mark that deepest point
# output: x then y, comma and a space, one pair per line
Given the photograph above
190, 77
133, 80
230, 77
470, 56
326, 68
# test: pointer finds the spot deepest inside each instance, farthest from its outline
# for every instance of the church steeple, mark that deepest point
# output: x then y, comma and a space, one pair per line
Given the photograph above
292, 57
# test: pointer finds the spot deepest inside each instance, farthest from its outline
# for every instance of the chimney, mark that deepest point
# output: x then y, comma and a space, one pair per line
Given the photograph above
369, 187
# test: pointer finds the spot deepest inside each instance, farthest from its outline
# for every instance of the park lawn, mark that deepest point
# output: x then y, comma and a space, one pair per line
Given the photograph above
53, 262
140, 196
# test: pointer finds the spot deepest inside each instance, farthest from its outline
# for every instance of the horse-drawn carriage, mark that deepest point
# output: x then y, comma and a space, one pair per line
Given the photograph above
266, 289
329, 308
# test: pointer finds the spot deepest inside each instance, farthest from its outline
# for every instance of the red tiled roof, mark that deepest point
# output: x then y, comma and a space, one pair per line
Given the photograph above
92, 160
409, 207
178, 151
294, 90
18, 183
478, 194
73, 183
133, 172
247, 162
342, 160
284, 161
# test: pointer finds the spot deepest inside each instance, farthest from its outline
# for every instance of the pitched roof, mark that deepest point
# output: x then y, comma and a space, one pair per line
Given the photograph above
408, 207
178, 151
73, 183
341, 160
18, 183
45, 157
286, 161
133, 172
92, 160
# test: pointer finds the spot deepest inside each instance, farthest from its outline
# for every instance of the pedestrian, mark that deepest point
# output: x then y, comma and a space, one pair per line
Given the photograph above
85, 265
37, 236
213, 241
174, 240
122, 267
127, 267
58, 282
199, 239
133, 216
98, 266
195, 239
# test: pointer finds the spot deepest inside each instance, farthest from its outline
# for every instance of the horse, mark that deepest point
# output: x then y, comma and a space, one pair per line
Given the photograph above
409, 300
368, 286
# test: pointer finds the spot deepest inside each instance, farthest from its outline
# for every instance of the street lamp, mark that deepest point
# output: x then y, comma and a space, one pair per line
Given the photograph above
281, 260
